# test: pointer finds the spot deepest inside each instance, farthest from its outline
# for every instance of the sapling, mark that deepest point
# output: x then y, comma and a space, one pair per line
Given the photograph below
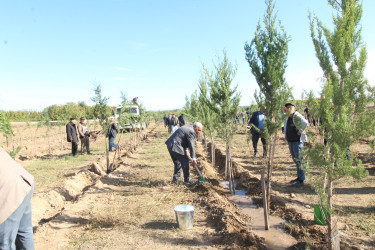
267, 57
101, 107
343, 108
225, 103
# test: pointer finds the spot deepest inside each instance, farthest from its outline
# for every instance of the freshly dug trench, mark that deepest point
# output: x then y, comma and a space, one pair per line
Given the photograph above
303, 230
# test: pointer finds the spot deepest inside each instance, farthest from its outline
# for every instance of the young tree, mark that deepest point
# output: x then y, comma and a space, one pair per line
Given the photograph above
208, 116
267, 57
225, 103
101, 107
192, 107
344, 107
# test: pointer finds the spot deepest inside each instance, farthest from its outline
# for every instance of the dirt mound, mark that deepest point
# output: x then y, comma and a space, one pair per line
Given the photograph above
75, 185
45, 205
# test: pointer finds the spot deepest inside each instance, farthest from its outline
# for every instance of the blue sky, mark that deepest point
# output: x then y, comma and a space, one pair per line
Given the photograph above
53, 52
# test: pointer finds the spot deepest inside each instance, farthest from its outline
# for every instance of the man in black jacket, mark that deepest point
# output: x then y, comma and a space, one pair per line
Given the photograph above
177, 144
257, 121
71, 134
181, 120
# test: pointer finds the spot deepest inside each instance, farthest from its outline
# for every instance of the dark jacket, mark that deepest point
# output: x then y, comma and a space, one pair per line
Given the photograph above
182, 139
71, 132
112, 131
181, 120
255, 121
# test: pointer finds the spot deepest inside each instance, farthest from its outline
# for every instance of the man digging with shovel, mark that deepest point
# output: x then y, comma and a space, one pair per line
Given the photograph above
181, 140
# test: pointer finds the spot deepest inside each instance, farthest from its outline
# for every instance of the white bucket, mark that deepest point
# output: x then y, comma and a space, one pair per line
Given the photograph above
184, 216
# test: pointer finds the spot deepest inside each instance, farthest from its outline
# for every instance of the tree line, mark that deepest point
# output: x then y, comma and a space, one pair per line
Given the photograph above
56, 113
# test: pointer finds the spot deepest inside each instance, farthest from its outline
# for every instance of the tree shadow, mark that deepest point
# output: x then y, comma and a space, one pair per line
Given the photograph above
344, 210
160, 225
353, 190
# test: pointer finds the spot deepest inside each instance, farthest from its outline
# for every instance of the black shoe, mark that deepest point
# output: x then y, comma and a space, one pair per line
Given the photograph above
293, 181
89, 153
298, 184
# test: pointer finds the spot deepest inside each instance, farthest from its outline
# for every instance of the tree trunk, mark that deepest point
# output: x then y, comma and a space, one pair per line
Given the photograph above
226, 166
271, 155
212, 153
232, 175
131, 139
49, 144
229, 170
264, 195
329, 201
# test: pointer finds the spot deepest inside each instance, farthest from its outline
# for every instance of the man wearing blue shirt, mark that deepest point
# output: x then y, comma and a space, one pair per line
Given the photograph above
257, 121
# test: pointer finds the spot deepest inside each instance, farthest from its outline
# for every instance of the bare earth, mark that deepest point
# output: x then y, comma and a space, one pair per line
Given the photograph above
132, 208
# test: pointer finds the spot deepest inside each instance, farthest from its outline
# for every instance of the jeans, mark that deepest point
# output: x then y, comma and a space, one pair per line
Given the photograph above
112, 143
295, 149
16, 232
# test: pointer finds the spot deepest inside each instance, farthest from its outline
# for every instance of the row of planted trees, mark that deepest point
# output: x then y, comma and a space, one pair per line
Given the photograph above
343, 110
137, 122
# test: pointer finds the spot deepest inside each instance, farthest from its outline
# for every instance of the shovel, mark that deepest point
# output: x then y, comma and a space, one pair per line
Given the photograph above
200, 174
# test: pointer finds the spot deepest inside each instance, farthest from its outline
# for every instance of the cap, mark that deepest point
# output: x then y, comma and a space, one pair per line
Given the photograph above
82, 118
290, 103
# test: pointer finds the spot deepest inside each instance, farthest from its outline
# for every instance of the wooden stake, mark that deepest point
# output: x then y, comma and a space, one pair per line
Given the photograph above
266, 225
232, 172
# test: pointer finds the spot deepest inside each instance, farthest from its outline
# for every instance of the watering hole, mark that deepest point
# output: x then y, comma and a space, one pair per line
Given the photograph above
275, 237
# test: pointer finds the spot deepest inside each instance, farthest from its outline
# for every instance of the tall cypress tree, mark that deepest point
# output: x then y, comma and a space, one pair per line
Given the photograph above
344, 107
225, 103
267, 57
207, 114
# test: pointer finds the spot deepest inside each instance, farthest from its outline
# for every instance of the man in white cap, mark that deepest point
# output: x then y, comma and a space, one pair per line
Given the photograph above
294, 127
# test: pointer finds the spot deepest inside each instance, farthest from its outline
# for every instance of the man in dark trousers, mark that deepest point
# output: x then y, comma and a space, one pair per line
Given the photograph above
177, 144
257, 121
181, 120
71, 133
295, 125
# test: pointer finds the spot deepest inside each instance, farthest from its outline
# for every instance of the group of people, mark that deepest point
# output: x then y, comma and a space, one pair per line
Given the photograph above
182, 141
294, 127
173, 122
81, 131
